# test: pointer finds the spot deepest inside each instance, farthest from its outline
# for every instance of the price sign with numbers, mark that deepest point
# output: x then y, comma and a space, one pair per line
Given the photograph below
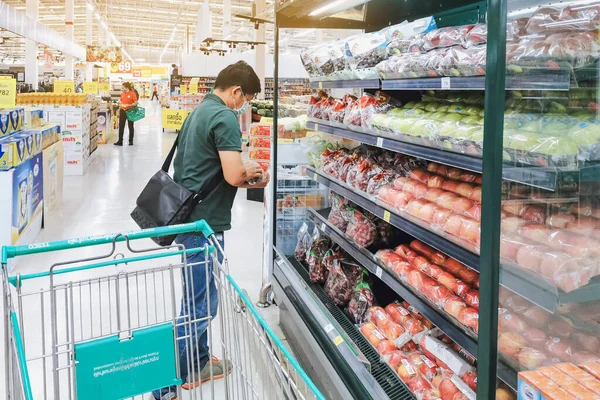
90, 87
8, 93
64, 87
104, 87
193, 88
182, 89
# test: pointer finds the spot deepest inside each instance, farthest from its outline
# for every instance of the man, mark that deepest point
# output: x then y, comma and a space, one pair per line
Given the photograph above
154, 92
210, 141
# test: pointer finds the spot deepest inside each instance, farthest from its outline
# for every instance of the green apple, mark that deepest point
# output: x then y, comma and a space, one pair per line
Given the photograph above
472, 110
378, 119
553, 145
414, 113
531, 126
585, 134
421, 105
402, 125
471, 119
510, 123
443, 108
476, 134
448, 128
451, 117
523, 141
424, 128
432, 107
435, 116
395, 111
410, 104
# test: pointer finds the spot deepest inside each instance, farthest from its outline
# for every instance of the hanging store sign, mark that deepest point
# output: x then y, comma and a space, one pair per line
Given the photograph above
123, 67
137, 73
48, 58
8, 92
146, 72
90, 87
64, 87
104, 87
194, 86
183, 89
111, 54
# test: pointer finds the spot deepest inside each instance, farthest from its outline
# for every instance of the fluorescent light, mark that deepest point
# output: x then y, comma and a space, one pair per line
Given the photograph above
305, 33
90, 6
141, 60
346, 4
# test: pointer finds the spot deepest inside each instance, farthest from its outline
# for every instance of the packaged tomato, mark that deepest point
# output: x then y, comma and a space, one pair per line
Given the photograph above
476, 36
362, 299
342, 278
317, 269
383, 178
361, 229
352, 115
469, 317
446, 37
303, 243
340, 216
472, 298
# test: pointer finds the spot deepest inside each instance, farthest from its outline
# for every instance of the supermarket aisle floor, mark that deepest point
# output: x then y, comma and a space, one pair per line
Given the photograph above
101, 200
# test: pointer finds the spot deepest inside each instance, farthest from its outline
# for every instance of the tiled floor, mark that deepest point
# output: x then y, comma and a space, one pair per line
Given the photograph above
100, 202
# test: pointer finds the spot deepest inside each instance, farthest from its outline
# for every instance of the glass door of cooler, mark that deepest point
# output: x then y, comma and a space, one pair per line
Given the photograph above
549, 211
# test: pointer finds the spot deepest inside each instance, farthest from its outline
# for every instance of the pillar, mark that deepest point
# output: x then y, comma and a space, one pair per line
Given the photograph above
69, 8
31, 48
226, 18
260, 50
88, 39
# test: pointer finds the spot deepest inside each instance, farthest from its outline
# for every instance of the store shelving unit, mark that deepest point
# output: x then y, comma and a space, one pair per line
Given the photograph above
493, 270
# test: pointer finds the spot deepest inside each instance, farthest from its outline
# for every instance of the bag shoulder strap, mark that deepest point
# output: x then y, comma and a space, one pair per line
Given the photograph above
212, 185
169, 160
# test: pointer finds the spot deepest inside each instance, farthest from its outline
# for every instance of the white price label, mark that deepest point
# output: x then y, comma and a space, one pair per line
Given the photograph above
378, 272
379, 142
323, 226
328, 328
446, 83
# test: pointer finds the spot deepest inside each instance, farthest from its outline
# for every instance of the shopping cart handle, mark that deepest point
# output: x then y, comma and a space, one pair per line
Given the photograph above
35, 248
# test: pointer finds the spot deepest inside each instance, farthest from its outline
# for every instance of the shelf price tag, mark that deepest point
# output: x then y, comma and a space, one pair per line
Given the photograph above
386, 216
338, 340
323, 227
328, 328
193, 88
182, 90
8, 93
378, 272
316, 127
379, 142
320, 85
90, 87
446, 83
64, 87
315, 176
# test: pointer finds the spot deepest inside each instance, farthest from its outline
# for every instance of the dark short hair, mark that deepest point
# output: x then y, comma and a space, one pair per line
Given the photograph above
239, 74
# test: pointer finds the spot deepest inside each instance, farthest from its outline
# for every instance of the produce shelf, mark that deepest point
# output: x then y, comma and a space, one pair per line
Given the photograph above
367, 260
544, 178
452, 249
388, 384
354, 84
543, 81
532, 287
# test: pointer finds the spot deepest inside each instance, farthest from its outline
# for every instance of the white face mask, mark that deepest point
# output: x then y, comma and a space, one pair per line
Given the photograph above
239, 111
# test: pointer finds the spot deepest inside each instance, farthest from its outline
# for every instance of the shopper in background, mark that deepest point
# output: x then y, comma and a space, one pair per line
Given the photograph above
154, 92
210, 142
129, 99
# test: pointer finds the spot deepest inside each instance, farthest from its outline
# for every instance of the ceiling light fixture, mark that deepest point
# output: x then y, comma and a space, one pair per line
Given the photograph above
345, 5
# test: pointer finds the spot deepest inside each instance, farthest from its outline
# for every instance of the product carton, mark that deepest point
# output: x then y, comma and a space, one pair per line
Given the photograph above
11, 120
33, 117
14, 152
50, 135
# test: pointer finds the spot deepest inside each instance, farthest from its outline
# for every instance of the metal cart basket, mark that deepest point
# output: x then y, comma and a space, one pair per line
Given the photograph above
110, 326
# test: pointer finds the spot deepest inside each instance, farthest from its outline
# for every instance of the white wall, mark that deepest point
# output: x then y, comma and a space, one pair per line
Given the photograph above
198, 64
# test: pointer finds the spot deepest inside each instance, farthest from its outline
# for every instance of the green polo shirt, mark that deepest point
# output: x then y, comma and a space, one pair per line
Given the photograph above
210, 128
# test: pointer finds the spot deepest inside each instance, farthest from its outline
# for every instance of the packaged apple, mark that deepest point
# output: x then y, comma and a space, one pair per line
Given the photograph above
557, 19
377, 339
393, 331
446, 355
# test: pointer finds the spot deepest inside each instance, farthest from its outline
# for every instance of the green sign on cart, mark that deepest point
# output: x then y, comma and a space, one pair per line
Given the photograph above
113, 368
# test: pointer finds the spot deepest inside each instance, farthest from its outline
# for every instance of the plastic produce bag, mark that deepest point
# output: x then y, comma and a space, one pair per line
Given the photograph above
362, 299
340, 216
303, 244
392, 331
361, 229
446, 37
342, 278
316, 267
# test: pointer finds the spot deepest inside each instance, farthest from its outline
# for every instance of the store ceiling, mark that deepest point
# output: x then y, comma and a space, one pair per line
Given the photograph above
144, 27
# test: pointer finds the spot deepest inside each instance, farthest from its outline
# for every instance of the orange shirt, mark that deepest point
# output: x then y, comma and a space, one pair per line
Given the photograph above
127, 100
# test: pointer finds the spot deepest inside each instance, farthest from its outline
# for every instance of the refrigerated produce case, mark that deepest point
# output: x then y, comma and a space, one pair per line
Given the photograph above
509, 200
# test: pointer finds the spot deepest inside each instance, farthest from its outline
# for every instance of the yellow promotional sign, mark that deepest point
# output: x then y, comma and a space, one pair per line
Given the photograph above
146, 72
90, 87
104, 87
173, 119
64, 87
193, 88
159, 70
8, 92
182, 89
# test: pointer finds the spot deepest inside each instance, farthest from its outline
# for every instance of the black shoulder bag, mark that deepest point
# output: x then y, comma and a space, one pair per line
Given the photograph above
164, 202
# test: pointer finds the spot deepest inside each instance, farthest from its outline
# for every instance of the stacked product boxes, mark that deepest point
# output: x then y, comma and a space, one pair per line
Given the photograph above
22, 141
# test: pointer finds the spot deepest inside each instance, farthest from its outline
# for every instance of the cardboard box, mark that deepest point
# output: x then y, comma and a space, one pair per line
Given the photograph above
13, 152
53, 162
11, 120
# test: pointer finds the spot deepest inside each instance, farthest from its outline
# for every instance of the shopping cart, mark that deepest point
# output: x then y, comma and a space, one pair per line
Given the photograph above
105, 327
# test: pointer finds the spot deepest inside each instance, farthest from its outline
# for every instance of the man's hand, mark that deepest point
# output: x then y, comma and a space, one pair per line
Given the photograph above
253, 170
260, 184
